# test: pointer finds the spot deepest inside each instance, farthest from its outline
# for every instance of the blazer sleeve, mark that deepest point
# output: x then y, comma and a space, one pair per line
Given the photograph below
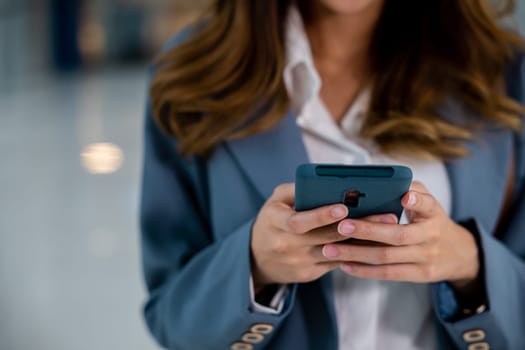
501, 325
503, 322
198, 288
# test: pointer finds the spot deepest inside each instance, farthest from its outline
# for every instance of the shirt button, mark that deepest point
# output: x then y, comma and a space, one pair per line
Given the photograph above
474, 335
262, 328
252, 338
241, 346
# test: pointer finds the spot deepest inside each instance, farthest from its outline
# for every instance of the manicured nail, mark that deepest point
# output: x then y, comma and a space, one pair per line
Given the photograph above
388, 219
337, 212
330, 251
346, 268
411, 199
346, 228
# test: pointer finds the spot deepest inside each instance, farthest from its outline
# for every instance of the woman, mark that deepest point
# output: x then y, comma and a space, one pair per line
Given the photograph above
259, 87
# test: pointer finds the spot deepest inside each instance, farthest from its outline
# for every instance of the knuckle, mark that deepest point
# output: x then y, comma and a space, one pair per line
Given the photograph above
431, 235
283, 191
295, 261
385, 255
271, 218
403, 235
320, 217
431, 204
271, 222
432, 253
432, 232
294, 224
279, 190
268, 210
417, 185
281, 245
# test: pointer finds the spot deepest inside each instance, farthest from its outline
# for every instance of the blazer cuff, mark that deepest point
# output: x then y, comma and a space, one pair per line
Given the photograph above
480, 327
276, 305
452, 306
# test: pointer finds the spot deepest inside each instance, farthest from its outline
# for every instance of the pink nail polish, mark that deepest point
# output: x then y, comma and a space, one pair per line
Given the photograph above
337, 212
346, 268
411, 199
330, 251
388, 219
346, 228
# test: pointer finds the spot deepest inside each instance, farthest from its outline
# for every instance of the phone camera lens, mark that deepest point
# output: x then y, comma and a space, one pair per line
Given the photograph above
352, 198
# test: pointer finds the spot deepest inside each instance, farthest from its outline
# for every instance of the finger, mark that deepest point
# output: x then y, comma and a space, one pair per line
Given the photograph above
420, 205
375, 255
305, 221
318, 255
329, 265
390, 272
331, 233
323, 268
382, 218
284, 193
419, 187
384, 233
323, 235
278, 214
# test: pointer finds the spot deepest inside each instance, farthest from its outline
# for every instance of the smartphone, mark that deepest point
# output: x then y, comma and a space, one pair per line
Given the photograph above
364, 189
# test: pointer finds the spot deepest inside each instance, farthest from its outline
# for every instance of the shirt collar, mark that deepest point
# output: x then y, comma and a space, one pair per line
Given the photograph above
303, 83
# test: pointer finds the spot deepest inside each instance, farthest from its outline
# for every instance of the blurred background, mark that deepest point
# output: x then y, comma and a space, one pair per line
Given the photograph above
72, 92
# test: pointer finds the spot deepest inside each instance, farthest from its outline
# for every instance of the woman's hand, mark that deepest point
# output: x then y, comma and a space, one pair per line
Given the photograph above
287, 245
431, 248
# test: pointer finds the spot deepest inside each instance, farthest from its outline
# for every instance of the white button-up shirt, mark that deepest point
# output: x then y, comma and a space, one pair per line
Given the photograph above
371, 314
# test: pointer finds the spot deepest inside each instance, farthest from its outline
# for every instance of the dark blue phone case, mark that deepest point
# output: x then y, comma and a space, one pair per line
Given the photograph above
364, 189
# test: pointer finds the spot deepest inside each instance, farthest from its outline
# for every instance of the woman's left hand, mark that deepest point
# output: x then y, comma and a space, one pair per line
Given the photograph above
430, 248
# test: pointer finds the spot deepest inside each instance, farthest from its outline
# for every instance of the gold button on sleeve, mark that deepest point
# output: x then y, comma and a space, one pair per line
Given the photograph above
474, 335
262, 328
479, 346
253, 338
241, 346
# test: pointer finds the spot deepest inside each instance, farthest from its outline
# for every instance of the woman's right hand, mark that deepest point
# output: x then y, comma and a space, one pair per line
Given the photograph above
287, 246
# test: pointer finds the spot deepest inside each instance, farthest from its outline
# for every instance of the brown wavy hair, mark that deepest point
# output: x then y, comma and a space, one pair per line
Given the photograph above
209, 88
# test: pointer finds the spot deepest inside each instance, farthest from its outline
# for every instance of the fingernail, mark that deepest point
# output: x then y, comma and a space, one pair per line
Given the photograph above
388, 219
411, 199
346, 268
346, 228
330, 251
337, 212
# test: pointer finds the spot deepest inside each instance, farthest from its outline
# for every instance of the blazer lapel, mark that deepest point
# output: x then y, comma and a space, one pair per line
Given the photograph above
270, 158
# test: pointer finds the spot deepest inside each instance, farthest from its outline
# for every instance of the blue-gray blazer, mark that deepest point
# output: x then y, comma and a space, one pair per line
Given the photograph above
196, 216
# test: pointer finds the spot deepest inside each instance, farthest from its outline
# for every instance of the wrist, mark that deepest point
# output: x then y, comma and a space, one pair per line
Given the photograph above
260, 283
469, 277
260, 280
470, 291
